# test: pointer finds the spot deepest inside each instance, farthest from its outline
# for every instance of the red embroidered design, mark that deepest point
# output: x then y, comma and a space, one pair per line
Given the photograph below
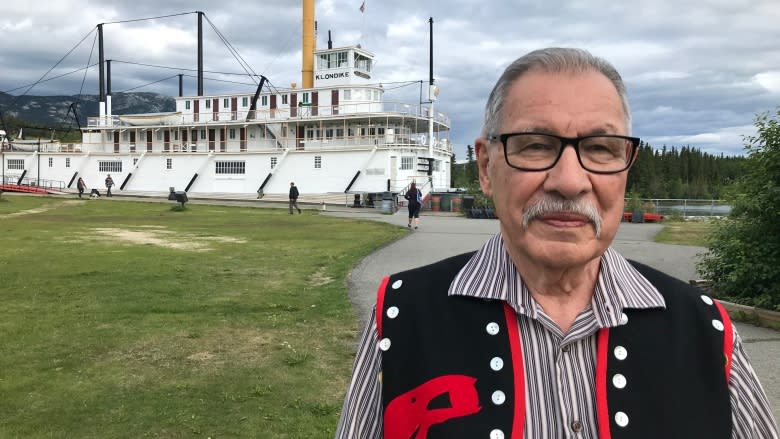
408, 416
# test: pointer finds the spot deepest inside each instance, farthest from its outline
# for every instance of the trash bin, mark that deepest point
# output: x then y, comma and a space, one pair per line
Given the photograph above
446, 202
468, 202
456, 203
435, 203
357, 201
637, 216
386, 206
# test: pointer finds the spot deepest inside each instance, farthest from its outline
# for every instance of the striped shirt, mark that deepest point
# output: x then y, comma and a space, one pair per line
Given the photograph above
560, 367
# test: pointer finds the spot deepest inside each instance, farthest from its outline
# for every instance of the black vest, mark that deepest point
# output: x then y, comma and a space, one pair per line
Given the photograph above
438, 380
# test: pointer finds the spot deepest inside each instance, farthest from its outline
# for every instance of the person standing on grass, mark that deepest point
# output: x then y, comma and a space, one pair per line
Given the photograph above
81, 186
414, 197
294, 198
109, 183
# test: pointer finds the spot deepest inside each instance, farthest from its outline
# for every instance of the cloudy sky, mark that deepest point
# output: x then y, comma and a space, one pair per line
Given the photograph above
697, 72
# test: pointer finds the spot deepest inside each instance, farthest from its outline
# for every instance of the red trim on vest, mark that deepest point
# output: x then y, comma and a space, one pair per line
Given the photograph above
380, 304
602, 410
728, 338
518, 419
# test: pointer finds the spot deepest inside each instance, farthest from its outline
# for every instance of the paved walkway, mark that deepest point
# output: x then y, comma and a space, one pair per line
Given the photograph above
441, 235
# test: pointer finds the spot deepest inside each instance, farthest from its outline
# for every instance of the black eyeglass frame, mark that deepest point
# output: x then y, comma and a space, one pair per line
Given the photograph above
574, 142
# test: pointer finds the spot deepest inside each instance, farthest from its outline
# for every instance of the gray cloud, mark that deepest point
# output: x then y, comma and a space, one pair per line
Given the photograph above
697, 74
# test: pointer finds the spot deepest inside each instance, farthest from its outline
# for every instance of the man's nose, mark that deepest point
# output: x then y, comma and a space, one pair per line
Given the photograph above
568, 177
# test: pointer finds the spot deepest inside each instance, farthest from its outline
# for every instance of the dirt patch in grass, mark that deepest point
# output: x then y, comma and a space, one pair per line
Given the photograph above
160, 237
319, 278
43, 209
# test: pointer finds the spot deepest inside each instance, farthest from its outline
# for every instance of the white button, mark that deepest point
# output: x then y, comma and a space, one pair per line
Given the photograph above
492, 328
397, 284
623, 318
621, 419
498, 397
496, 363
384, 344
619, 381
717, 324
706, 299
392, 312
621, 353
496, 434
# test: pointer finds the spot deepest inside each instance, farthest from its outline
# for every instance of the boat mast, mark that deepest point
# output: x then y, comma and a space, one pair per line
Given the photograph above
101, 75
200, 53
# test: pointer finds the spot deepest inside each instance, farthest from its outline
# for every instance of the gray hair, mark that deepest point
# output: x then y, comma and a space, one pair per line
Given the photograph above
550, 60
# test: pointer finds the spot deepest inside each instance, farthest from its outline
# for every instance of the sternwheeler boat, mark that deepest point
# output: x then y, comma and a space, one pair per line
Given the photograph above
334, 134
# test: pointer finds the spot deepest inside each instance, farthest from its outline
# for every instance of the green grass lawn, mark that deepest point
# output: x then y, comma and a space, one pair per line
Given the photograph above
685, 232
128, 319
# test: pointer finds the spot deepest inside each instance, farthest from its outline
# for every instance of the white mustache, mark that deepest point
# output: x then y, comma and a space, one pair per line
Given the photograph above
559, 205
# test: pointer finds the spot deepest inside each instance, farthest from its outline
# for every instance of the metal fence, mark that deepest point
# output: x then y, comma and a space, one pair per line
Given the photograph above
686, 207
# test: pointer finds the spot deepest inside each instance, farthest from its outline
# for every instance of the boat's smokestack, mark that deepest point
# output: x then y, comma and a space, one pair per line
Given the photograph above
307, 63
330, 42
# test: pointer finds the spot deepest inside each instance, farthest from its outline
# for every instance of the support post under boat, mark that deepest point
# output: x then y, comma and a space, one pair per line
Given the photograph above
192, 181
70, 183
124, 182
21, 178
349, 186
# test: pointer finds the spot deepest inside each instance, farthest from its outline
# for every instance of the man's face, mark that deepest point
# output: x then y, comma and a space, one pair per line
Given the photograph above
567, 105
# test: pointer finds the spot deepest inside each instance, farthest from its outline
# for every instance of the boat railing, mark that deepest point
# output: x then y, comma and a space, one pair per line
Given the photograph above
283, 114
34, 182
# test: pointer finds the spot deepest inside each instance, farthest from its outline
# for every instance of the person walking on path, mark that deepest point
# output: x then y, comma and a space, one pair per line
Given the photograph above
109, 183
81, 186
294, 198
414, 197
547, 331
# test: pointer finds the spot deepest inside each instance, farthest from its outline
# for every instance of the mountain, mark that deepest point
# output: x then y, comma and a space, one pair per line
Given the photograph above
54, 111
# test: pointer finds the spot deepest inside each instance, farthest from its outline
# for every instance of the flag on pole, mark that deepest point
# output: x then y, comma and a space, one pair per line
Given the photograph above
363, 6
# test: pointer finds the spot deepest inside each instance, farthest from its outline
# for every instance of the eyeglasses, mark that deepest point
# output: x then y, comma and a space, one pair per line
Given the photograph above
602, 154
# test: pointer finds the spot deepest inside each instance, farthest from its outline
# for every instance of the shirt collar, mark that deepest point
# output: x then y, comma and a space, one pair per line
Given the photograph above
490, 274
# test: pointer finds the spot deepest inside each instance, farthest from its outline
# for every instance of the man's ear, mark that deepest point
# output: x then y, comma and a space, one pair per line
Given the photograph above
482, 149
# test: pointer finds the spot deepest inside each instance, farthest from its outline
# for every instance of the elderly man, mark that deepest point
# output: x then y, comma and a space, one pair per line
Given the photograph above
546, 331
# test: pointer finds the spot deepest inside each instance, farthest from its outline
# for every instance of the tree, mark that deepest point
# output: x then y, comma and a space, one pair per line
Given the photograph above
744, 250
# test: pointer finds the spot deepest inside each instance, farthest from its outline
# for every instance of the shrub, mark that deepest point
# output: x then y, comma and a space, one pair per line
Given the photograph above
744, 248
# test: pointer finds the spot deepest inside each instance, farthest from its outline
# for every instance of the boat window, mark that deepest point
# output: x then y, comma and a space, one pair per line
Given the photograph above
339, 132
176, 135
186, 105
168, 163
225, 103
329, 133
125, 135
109, 166
67, 162
202, 134
273, 162
230, 167
232, 133
51, 162
208, 103
407, 163
362, 63
317, 162
342, 59
17, 164
306, 98
245, 101
284, 99
264, 101
159, 135
347, 95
